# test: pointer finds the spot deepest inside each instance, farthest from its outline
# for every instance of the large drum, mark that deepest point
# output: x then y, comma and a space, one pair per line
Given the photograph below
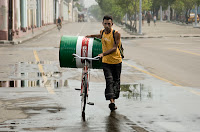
82, 46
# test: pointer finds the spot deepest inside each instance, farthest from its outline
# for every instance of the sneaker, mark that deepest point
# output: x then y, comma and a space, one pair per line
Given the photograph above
112, 106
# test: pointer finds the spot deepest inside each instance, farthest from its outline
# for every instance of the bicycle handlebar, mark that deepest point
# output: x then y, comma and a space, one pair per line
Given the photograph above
86, 58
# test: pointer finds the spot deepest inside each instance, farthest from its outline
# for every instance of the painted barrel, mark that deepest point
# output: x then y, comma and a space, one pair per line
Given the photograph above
82, 46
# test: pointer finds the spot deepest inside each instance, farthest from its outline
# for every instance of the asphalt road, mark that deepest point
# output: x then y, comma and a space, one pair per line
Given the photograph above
159, 87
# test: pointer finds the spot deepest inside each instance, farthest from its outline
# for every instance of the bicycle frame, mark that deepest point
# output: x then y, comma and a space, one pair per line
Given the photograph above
85, 78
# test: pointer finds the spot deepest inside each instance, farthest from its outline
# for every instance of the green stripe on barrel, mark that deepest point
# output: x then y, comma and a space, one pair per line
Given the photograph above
68, 45
67, 48
97, 49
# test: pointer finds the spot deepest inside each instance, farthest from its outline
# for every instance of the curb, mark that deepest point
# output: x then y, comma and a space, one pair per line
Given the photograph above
139, 37
29, 38
8, 42
15, 42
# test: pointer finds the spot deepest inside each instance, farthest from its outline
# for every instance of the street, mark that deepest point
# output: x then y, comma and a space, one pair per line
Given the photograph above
160, 87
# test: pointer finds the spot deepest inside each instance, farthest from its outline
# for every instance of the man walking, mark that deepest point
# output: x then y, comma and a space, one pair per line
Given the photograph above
59, 22
111, 60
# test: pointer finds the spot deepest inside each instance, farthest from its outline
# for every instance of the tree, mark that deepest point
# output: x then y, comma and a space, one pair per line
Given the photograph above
131, 7
188, 5
96, 12
112, 8
178, 6
79, 6
197, 3
118, 8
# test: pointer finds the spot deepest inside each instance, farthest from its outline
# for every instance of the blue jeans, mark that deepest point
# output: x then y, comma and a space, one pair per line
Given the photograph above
112, 74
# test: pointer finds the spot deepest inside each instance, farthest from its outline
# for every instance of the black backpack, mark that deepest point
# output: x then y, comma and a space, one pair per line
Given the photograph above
121, 49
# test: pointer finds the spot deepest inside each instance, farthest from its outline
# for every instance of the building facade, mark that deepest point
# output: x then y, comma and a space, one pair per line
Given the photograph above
19, 17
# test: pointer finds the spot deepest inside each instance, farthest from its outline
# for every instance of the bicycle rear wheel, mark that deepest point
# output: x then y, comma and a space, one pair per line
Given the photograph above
84, 98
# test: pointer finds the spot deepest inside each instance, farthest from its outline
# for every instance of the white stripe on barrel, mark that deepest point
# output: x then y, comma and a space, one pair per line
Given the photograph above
79, 48
90, 45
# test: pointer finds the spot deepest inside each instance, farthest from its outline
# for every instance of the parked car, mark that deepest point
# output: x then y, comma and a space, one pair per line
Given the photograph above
192, 18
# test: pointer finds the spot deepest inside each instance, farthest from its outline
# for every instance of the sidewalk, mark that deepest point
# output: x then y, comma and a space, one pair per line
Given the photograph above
162, 29
30, 35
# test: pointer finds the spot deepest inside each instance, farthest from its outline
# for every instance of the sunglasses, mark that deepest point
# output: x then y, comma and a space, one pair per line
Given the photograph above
107, 23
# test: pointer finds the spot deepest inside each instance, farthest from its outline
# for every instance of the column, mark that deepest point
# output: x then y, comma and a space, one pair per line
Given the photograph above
3, 20
168, 12
18, 16
161, 12
38, 10
23, 10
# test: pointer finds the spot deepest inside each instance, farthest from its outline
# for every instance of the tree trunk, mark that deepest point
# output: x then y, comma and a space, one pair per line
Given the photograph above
130, 19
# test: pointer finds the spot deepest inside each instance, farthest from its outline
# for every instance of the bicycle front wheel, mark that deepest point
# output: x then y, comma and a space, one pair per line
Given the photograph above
84, 98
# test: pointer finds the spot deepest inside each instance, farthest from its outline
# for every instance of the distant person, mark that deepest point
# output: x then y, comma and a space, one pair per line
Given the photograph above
59, 22
143, 19
154, 19
148, 18
111, 60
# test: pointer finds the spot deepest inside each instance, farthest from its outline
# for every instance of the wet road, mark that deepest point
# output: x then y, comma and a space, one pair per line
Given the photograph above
159, 87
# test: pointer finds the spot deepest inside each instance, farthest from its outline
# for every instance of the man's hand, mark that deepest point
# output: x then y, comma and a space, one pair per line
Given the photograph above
101, 55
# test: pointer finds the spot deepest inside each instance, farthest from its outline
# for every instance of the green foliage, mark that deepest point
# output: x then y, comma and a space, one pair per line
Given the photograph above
96, 11
79, 6
118, 8
197, 2
178, 5
110, 7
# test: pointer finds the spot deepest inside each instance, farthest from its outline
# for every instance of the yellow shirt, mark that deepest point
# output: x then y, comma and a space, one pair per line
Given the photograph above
107, 43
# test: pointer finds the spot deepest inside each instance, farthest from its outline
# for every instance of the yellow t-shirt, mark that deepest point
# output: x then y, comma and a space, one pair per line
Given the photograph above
107, 43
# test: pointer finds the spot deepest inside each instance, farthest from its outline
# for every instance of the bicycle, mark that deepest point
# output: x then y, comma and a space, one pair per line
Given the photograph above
85, 82
59, 27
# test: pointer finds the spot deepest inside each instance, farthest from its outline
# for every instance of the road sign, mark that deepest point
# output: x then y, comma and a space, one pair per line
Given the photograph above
31, 4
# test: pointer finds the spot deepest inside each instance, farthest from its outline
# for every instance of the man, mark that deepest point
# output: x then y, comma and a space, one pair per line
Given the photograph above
111, 60
59, 22
148, 18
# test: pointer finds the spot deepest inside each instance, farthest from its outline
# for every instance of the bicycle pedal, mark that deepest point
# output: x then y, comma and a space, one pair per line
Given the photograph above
90, 103
77, 89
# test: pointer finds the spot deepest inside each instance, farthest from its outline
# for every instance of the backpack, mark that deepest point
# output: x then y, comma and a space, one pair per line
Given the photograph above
121, 49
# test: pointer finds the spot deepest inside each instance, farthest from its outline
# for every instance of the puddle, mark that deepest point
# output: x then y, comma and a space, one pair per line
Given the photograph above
26, 74
136, 91
33, 83
9, 125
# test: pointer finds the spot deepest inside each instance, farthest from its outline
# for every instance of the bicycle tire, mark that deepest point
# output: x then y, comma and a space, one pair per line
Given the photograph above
84, 98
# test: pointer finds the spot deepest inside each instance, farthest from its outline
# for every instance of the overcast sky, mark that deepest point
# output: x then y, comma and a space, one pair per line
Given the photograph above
88, 3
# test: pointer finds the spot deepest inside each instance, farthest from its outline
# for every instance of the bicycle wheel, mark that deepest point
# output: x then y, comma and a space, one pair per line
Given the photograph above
84, 97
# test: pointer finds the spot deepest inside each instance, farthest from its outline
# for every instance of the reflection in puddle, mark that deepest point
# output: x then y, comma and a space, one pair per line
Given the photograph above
33, 83
25, 74
40, 62
136, 91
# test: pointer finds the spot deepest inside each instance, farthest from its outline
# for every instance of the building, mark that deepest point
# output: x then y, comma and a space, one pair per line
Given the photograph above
19, 17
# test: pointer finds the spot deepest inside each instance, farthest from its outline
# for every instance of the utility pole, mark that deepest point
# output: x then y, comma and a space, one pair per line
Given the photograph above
140, 18
161, 14
55, 10
32, 22
169, 12
72, 10
126, 18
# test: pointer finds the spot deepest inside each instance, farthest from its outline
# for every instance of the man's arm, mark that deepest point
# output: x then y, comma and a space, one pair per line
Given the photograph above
115, 45
94, 36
